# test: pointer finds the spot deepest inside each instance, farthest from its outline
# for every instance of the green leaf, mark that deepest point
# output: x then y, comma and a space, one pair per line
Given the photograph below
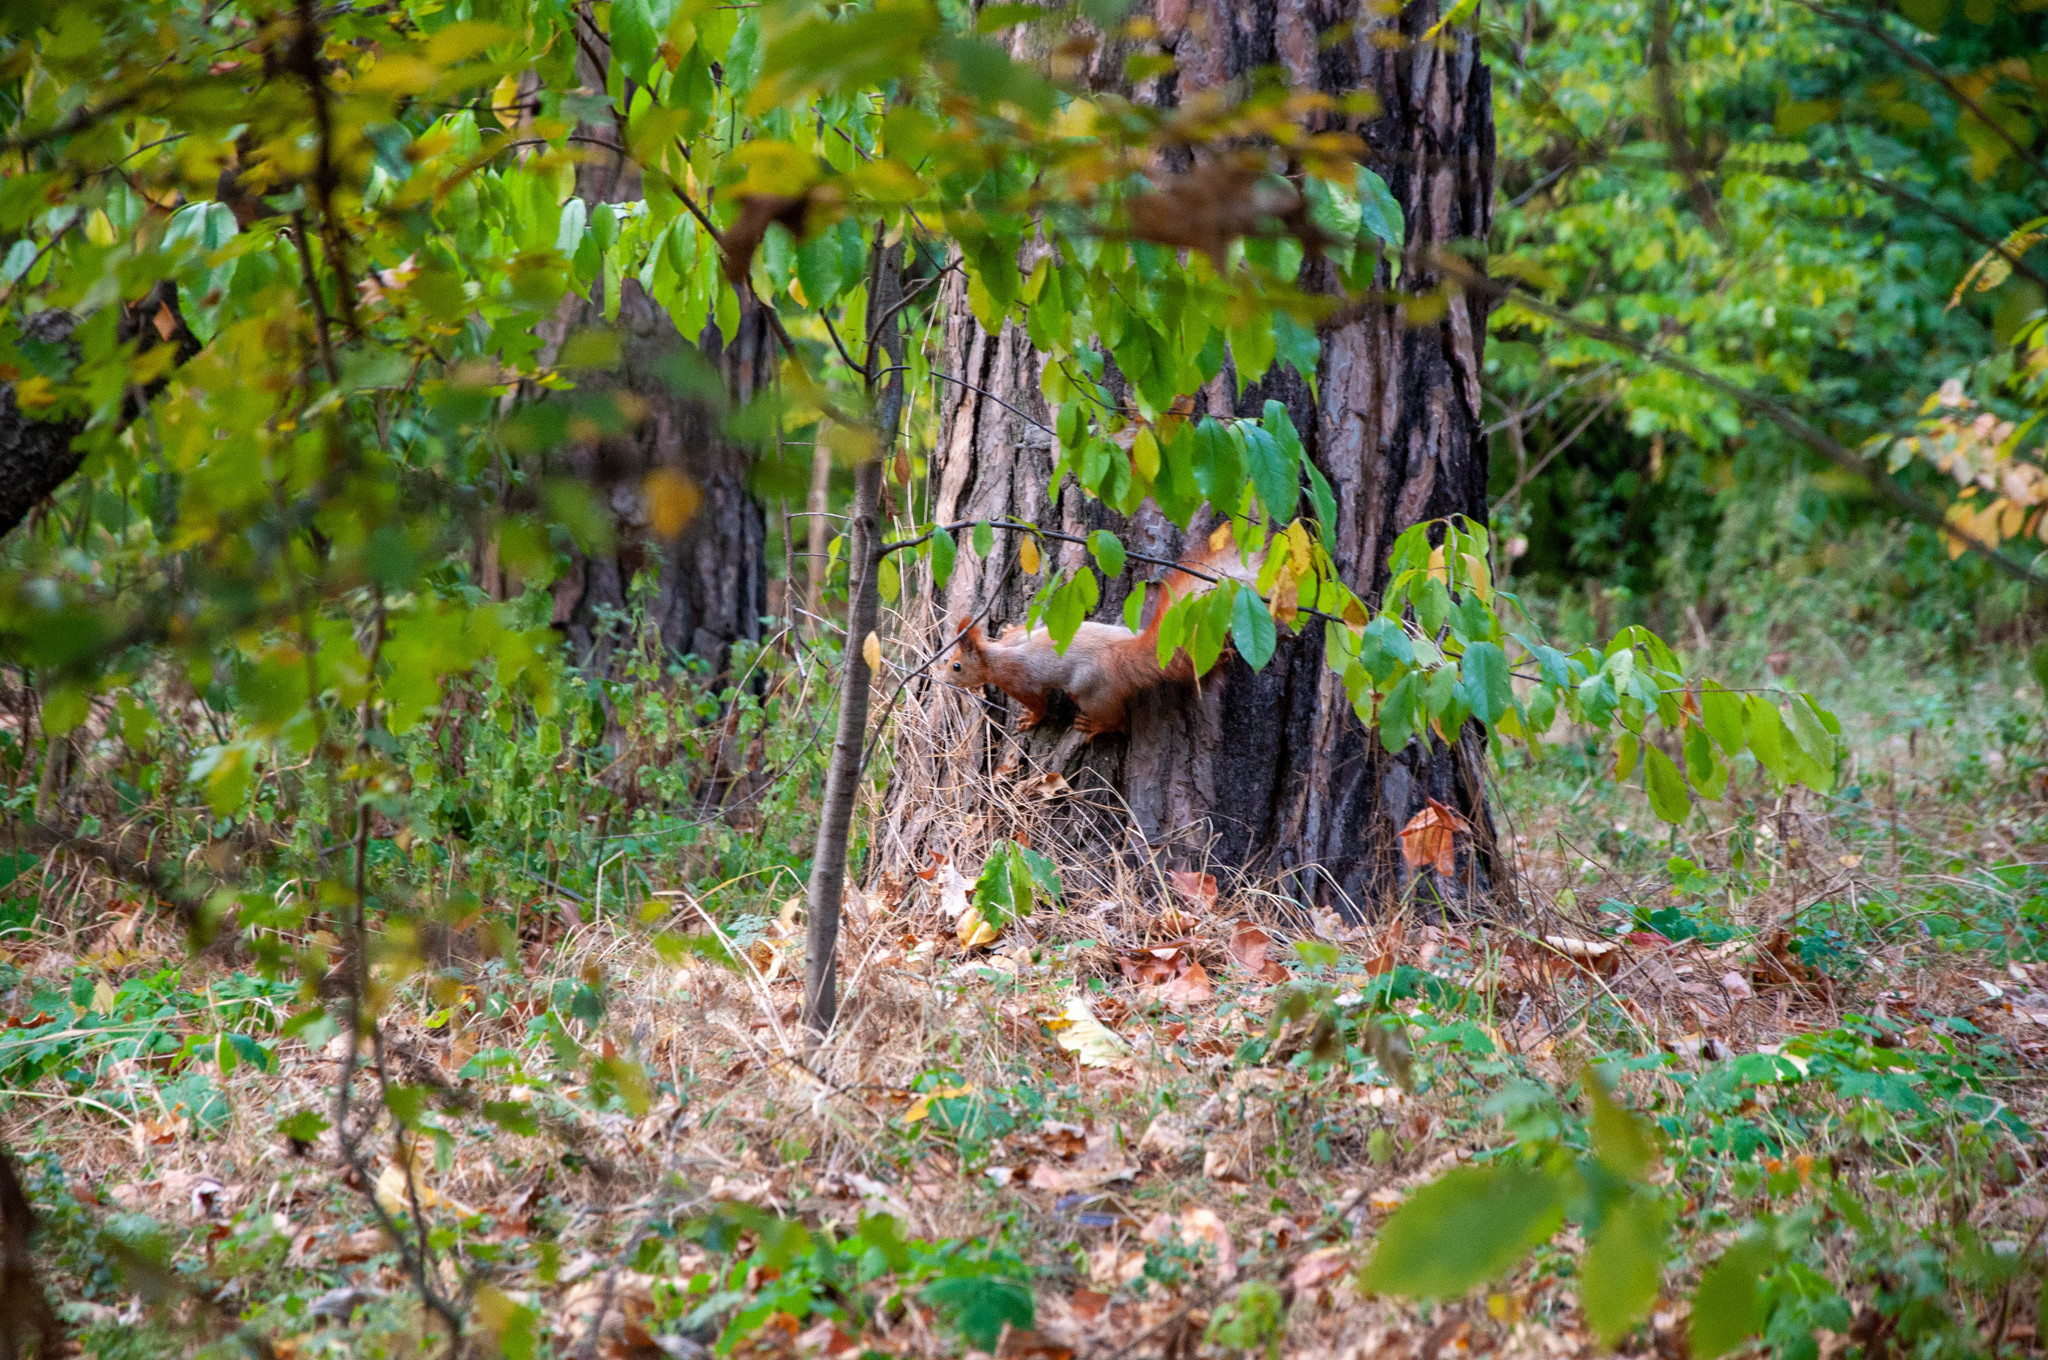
1399, 719
1463, 1229
1668, 798
1134, 609
1624, 1266
1628, 748
977, 1306
1379, 212
1432, 605
633, 38
1815, 742
1487, 691
943, 552
1619, 1138
513, 1116
1768, 738
2037, 662
1218, 465
1275, 476
1251, 629
1108, 550
1729, 1308
889, 581
984, 539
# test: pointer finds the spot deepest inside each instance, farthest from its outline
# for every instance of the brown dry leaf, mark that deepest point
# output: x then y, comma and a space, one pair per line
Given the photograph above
930, 871
1599, 957
1382, 961
1030, 1345
1430, 835
1248, 946
1045, 787
953, 891
1198, 888
1318, 1268
1191, 988
826, 1339
1152, 967
360, 1246
1087, 1305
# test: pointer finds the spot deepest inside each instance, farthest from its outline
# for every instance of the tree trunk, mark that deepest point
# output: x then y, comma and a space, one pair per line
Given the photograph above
37, 456
713, 581
1266, 772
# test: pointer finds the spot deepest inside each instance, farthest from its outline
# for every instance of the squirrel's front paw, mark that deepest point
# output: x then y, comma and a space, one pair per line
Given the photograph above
1028, 720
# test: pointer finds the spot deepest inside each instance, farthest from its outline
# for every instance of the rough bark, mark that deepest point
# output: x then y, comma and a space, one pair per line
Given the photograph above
713, 580
38, 456
1269, 772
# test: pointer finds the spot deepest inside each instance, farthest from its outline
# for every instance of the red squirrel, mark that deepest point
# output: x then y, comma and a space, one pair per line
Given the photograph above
1101, 669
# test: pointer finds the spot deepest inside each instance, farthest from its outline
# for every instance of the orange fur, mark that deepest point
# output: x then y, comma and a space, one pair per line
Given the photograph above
1103, 666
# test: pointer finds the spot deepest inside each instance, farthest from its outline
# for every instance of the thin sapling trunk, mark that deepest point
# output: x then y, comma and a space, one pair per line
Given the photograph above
864, 560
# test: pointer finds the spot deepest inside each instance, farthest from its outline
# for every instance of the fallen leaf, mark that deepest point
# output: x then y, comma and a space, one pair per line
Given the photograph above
922, 1106
1198, 888
1319, 1267
1430, 835
1086, 1037
1389, 946
973, 932
1045, 787
1248, 946
931, 870
1601, 957
953, 891
1191, 988
1736, 985
1087, 1304
392, 1190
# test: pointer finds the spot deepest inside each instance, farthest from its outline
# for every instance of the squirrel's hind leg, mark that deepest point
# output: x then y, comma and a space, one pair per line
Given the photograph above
1101, 724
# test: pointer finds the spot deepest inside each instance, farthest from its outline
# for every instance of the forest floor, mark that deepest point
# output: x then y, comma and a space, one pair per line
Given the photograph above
1093, 1134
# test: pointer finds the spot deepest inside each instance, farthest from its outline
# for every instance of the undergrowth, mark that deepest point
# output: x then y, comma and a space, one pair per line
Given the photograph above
1831, 1012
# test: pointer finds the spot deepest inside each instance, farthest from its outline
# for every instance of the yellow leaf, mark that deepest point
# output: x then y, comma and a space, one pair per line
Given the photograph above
391, 1188
1478, 576
871, 652
973, 932
1027, 556
672, 501
505, 102
922, 1106
99, 229
1298, 549
1087, 1038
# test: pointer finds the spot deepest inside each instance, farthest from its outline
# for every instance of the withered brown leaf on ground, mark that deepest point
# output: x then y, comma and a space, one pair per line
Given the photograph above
1430, 835
1248, 946
1198, 888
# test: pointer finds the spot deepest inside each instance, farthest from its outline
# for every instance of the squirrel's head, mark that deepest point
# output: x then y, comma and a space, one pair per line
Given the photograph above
967, 667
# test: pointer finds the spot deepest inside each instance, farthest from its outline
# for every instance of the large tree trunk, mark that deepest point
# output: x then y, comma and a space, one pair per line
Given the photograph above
713, 579
1269, 772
